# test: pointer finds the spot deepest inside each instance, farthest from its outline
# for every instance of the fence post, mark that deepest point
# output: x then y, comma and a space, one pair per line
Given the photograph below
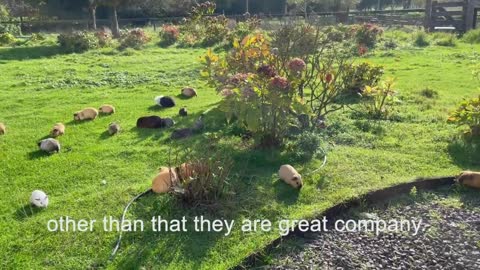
469, 15
428, 15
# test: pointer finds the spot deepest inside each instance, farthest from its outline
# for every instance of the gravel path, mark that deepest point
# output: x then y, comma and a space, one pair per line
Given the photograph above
450, 239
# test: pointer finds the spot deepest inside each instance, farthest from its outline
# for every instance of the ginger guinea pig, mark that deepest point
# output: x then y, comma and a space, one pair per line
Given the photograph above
469, 179
58, 130
107, 109
185, 171
290, 176
86, 114
3, 129
165, 180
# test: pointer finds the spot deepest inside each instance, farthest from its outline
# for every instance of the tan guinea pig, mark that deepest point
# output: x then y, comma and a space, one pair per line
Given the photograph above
3, 129
58, 130
470, 179
165, 180
107, 109
290, 176
86, 114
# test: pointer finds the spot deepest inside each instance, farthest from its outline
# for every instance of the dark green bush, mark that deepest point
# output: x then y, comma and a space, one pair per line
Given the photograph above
472, 36
304, 147
77, 42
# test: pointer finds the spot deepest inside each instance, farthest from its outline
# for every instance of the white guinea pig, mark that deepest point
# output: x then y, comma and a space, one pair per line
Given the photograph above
288, 174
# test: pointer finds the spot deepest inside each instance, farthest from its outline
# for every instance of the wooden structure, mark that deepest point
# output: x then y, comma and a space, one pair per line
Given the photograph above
455, 15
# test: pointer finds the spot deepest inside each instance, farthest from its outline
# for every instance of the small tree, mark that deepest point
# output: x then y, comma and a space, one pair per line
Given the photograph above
92, 8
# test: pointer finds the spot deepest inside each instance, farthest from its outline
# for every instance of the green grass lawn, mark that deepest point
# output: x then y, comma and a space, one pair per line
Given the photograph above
39, 87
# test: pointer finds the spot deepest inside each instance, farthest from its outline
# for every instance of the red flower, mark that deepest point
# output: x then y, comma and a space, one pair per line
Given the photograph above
297, 65
362, 50
329, 78
280, 83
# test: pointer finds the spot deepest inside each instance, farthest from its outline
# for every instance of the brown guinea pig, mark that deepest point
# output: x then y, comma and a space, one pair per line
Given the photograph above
150, 122
107, 109
469, 179
288, 174
86, 114
165, 180
57, 130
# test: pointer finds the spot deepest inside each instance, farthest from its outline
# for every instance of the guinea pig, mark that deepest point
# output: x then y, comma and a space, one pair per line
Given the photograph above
150, 122
183, 112
189, 92
168, 122
199, 124
165, 180
3, 129
166, 102
107, 109
469, 179
290, 176
86, 114
181, 133
113, 128
185, 171
49, 145
57, 130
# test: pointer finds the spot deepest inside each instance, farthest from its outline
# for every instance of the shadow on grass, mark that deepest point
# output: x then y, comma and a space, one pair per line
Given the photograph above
26, 53
465, 153
158, 108
38, 155
26, 211
182, 97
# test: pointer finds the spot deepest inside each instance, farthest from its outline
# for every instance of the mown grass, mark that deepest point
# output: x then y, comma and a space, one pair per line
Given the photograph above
40, 86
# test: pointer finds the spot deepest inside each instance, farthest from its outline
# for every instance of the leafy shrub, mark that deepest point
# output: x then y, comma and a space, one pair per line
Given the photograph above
366, 34
104, 37
358, 76
468, 114
134, 38
420, 39
390, 44
378, 101
243, 29
202, 27
429, 93
304, 147
256, 93
77, 42
472, 36
215, 30
295, 41
9, 27
169, 35
7, 39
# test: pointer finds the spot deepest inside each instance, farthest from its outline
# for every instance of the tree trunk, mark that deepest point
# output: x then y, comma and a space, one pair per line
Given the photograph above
115, 27
93, 14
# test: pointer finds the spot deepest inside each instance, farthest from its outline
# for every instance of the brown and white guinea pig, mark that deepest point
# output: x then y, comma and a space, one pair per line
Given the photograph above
165, 180
3, 129
469, 179
150, 122
86, 114
107, 109
58, 130
290, 176
113, 128
49, 145
189, 92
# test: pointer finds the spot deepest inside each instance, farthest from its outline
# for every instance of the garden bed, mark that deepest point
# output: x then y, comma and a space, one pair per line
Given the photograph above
449, 238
